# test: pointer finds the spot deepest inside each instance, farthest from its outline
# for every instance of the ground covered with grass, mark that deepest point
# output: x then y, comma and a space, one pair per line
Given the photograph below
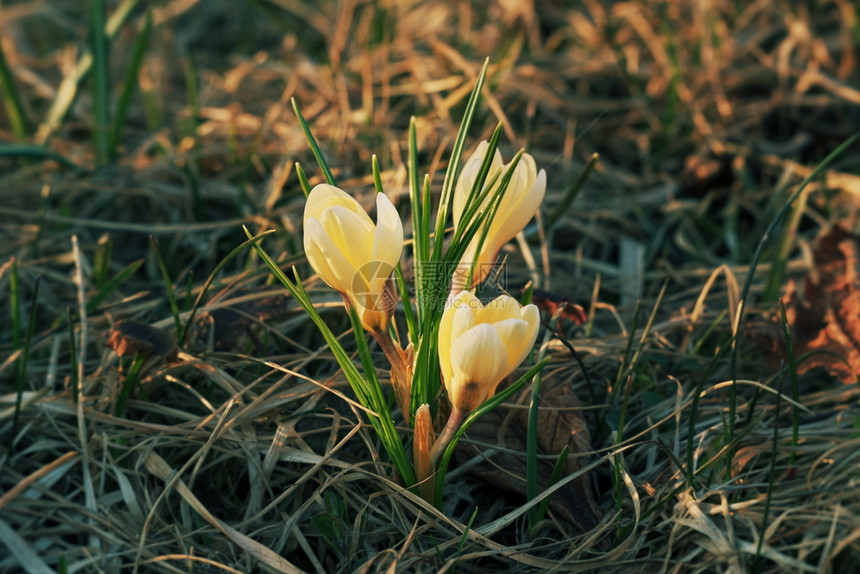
165, 406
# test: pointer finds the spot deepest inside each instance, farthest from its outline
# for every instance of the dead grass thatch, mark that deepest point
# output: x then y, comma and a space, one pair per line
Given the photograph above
243, 451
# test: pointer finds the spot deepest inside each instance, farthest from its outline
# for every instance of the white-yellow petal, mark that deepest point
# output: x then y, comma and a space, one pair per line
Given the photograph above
463, 188
468, 300
531, 316
478, 363
388, 241
324, 196
512, 333
523, 202
467, 178
519, 335
517, 208
501, 308
351, 234
479, 345
462, 319
325, 258
525, 173
350, 253
518, 204
456, 319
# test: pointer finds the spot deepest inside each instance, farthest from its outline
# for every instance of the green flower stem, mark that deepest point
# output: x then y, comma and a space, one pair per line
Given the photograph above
459, 428
455, 421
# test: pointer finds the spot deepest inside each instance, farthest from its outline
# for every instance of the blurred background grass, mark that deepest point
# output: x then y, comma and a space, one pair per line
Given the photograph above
171, 120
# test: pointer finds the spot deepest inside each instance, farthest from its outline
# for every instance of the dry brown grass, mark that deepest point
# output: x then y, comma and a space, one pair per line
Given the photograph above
246, 454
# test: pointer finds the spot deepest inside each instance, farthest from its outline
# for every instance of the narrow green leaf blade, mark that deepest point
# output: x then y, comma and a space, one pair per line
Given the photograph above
129, 84
329, 177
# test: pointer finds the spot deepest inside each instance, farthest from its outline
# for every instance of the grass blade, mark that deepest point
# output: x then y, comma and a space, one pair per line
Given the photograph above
532, 435
129, 383
628, 366
768, 232
21, 372
129, 85
447, 197
168, 286
209, 280
101, 65
192, 93
12, 101
426, 382
21, 550
15, 304
783, 250
420, 235
402, 288
531, 449
463, 538
488, 215
571, 193
426, 211
68, 89
13, 151
618, 459
329, 177
478, 208
383, 424
553, 478
73, 356
411, 321
768, 497
303, 179
112, 285
487, 406
368, 394
102, 260
626, 362
377, 176
795, 392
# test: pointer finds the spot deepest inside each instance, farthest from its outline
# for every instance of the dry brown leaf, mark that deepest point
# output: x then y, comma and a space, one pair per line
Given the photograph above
130, 337
551, 303
560, 424
825, 316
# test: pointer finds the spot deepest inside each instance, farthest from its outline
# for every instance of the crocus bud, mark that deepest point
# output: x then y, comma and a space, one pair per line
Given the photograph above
351, 254
479, 346
518, 205
422, 441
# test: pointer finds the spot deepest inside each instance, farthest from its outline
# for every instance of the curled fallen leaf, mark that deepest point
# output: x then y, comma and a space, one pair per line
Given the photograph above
550, 303
560, 424
704, 172
824, 313
130, 337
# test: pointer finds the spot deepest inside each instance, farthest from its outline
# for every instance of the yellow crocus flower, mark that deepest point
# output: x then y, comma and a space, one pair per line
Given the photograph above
481, 345
518, 205
351, 254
